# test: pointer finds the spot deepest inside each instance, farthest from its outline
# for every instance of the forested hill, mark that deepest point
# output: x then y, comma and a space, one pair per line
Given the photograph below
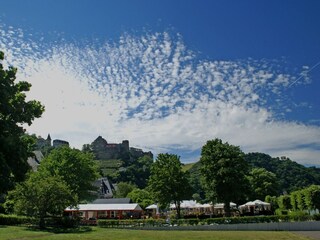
291, 175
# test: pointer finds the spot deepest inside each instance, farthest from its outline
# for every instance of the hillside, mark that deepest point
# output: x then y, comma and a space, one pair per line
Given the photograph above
292, 176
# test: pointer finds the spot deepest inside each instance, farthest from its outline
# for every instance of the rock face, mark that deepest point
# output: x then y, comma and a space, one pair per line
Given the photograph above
104, 150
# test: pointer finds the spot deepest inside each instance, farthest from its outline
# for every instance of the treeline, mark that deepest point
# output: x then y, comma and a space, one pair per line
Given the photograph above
297, 202
288, 176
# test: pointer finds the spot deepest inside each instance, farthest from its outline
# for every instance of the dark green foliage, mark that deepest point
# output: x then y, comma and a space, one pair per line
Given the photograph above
110, 168
41, 196
303, 199
291, 175
77, 169
168, 182
123, 188
224, 170
284, 202
262, 183
141, 196
312, 197
15, 220
273, 201
137, 171
15, 110
196, 180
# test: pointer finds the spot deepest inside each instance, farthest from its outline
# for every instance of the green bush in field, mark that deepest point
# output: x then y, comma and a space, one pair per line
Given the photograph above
15, 220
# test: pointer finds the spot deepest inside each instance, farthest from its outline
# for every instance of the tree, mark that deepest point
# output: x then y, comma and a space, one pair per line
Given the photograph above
168, 182
137, 172
195, 179
141, 196
273, 202
312, 197
41, 196
15, 111
262, 183
123, 188
291, 175
77, 169
284, 202
224, 170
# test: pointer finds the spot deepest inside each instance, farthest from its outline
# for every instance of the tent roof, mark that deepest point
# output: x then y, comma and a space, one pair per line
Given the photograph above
255, 203
221, 205
153, 206
104, 207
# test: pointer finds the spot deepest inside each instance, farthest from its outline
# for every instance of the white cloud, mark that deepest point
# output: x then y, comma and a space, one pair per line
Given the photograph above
155, 92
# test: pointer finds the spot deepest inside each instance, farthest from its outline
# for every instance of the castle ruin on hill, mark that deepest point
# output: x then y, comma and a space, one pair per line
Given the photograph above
104, 150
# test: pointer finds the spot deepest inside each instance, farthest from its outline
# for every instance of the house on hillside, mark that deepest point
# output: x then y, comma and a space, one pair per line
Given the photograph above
105, 188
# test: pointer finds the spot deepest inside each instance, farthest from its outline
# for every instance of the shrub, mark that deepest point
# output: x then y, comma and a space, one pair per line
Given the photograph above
15, 220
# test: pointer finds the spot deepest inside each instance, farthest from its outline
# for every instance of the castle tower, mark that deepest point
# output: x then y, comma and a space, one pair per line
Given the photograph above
48, 140
125, 145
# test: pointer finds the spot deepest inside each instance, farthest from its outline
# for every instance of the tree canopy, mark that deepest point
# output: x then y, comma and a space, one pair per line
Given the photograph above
41, 196
168, 183
291, 175
137, 171
224, 170
141, 196
76, 168
262, 183
15, 111
123, 188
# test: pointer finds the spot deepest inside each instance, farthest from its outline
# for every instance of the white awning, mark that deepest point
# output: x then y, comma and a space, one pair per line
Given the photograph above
153, 206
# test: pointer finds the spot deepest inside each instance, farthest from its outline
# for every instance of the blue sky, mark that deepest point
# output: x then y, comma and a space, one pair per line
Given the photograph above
170, 75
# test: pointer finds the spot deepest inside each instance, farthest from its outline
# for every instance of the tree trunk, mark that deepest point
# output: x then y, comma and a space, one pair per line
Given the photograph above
227, 209
178, 209
41, 222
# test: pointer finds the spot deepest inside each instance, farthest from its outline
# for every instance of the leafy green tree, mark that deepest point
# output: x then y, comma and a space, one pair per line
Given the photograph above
41, 197
87, 148
291, 175
273, 201
123, 188
312, 197
224, 170
196, 181
15, 111
294, 200
77, 169
284, 202
137, 172
300, 200
141, 196
262, 183
168, 182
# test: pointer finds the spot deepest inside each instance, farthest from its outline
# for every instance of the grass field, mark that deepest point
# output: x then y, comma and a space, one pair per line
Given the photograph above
95, 233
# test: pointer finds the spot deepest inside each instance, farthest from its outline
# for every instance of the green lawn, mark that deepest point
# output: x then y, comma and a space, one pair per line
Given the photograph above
95, 233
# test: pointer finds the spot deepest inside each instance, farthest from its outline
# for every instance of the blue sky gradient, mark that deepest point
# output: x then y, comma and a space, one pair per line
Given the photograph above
170, 75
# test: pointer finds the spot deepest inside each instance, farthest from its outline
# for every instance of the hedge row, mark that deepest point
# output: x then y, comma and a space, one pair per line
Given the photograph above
208, 221
15, 220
